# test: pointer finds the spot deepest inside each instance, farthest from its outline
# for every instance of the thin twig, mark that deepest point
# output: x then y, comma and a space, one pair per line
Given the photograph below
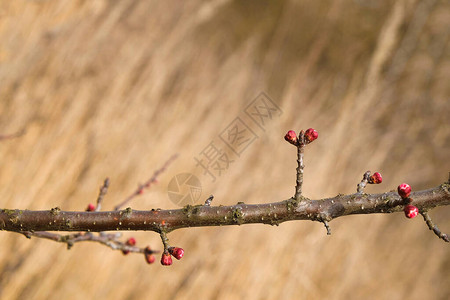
363, 183
433, 227
164, 240
13, 135
109, 240
101, 194
147, 184
300, 165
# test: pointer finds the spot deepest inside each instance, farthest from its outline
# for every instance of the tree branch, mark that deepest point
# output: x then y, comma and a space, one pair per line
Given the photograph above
202, 215
38, 223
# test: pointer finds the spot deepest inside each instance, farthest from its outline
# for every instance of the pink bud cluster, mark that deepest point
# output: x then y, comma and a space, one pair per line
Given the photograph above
166, 258
404, 190
309, 136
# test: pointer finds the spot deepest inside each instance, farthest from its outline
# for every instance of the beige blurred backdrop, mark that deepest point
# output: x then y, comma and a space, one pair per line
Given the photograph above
114, 88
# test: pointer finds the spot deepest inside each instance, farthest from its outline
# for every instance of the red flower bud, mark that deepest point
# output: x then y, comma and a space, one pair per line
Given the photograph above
376, 178
166, 259
90, 207
130, 242
291, 137
404, 190
176, 252
150, 258
148, 254
411, 211
310, 135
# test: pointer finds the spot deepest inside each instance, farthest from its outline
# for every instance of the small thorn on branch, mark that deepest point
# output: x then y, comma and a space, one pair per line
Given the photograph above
209, 200
433, 227
327, 226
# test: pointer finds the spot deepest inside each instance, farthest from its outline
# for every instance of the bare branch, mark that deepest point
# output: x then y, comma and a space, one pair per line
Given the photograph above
38, 223
201, 215
109, 240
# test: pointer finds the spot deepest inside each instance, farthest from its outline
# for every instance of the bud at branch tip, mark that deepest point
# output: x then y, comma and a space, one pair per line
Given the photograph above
291, 137
176, 252
375, 178
166, 259
310, 135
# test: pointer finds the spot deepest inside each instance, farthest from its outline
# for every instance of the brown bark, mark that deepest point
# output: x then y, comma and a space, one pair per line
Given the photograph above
202, 215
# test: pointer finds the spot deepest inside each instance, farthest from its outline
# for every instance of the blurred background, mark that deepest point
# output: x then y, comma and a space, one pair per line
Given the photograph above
114, 88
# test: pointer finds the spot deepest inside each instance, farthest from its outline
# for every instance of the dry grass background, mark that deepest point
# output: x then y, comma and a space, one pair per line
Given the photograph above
113, 88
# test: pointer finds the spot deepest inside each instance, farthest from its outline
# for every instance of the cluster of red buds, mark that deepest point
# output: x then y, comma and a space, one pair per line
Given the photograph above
308, 136
166, 258
404, 190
